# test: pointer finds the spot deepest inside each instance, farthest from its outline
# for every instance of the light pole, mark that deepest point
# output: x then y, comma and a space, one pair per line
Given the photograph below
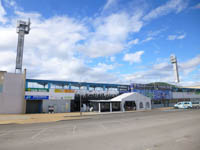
23, 28
175, 67
80, 99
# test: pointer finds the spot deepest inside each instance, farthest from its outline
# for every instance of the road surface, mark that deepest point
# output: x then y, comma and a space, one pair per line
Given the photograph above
152, 130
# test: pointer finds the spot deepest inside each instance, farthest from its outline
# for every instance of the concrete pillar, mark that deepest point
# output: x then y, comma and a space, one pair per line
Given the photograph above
24, 92
118, 89
104, 88
122, 107
110, 106
99, 107
49, 85
88, 87
26, 84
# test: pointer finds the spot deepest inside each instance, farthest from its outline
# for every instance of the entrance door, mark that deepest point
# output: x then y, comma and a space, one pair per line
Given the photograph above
34, 106
129, 105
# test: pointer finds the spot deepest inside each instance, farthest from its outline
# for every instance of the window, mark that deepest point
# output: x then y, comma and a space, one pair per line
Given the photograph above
141, 105
147, 105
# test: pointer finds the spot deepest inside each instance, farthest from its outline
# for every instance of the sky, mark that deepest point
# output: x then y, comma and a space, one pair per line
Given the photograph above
107, 41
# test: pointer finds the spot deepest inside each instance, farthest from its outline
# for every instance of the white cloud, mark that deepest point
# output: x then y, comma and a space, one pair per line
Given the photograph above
50, 50
2, 14
110, 34
155, 33
104, 67
172, 5
12, 4
109, 4
112, 58
133, 42
7, 57
133, 57
176, 37
190, 65
147, 39
163, 72
181, 36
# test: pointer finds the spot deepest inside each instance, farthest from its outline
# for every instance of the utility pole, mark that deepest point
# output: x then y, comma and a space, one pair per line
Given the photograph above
22, 29
80, 99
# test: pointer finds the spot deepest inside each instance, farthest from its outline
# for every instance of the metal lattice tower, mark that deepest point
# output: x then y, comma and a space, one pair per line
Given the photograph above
175, 67
22, 29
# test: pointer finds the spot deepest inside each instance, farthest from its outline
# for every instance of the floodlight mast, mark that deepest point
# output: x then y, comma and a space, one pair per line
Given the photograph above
23, 28
175, 67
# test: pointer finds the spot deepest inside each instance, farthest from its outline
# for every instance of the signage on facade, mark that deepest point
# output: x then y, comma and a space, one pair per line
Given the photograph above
63, 91
66, 94
52, 94
155, 94
36, 97
37, 90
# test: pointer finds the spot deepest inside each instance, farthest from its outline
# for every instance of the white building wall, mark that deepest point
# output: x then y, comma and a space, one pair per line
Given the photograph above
60, 106
12, 93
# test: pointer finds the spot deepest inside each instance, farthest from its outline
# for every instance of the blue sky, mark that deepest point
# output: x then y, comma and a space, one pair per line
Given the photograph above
111, 41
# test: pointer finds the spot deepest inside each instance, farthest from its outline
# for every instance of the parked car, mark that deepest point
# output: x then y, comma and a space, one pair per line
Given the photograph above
183, 105
196, 104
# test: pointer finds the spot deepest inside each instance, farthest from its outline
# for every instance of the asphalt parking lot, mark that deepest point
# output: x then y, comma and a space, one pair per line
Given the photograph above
151, 130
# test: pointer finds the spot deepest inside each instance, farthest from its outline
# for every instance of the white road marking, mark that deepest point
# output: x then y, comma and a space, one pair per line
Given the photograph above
4, 134
39, 133
74, 130
103, 126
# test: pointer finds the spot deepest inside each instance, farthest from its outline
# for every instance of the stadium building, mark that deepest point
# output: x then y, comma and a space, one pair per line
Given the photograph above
21, 95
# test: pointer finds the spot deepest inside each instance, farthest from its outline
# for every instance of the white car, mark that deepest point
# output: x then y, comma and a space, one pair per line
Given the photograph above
183, 105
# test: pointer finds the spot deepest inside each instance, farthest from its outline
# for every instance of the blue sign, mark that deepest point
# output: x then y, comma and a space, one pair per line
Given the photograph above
36, 97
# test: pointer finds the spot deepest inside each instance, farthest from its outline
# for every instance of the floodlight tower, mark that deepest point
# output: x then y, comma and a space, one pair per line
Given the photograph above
175, 66
23, 28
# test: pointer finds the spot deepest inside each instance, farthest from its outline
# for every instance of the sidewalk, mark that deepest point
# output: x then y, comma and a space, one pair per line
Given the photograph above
42, 118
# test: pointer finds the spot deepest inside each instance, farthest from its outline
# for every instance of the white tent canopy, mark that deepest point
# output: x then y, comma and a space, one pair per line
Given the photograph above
141, 101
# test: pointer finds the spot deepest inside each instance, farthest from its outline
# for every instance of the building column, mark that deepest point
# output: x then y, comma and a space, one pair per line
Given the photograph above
26, 84
122, 107
70, 87
49, 85
110, 106
99, 107
104, 88
88, 87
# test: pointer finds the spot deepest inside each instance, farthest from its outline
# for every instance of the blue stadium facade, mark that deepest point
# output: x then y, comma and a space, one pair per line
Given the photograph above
161, 95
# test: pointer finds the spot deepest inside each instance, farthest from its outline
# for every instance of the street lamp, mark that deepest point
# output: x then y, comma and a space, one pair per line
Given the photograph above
23, 28
175, 67
80, 98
